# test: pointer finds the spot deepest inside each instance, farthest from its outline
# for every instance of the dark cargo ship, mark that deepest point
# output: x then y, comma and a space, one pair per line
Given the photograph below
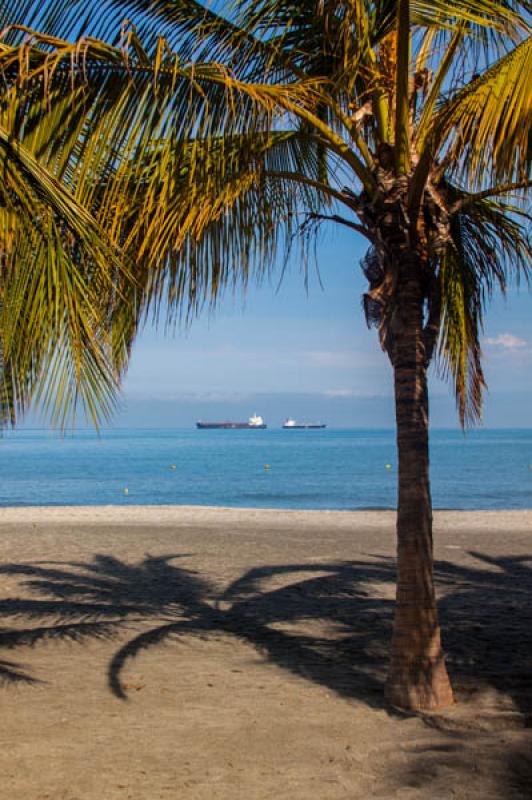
254, 422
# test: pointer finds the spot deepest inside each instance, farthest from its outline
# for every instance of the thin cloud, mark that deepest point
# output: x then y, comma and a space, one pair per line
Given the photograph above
328, 358
343, 359
506, 341
191, 397
333, 393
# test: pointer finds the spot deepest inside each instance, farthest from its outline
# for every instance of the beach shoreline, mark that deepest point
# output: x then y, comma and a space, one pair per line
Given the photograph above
172, 513
203, 652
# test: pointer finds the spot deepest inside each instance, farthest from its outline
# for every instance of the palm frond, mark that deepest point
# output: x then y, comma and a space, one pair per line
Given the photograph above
489, 248
228, 212
484, 127
402, 90
59, 279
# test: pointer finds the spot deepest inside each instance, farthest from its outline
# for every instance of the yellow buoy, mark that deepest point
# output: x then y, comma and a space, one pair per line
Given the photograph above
126, 490
267, 466
388, 466
173, 466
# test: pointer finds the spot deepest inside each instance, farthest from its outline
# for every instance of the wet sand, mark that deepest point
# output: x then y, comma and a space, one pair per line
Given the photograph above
240, 654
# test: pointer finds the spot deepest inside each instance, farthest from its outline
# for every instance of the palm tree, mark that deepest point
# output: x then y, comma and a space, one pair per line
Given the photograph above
204, 143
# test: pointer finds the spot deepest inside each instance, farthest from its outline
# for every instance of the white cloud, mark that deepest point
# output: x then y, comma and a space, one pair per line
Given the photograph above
507, 341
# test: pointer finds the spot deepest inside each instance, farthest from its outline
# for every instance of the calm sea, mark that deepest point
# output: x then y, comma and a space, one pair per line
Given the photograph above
328, 469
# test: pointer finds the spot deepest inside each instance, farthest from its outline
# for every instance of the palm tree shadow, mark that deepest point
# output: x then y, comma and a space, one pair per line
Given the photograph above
327, 622
486, 614
77, 601
12, 672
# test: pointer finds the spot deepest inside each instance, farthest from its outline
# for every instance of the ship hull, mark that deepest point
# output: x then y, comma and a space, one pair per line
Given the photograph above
302, 426
229, 426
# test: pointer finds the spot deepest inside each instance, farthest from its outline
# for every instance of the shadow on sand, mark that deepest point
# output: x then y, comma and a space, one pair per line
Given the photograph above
485, 614
76, 601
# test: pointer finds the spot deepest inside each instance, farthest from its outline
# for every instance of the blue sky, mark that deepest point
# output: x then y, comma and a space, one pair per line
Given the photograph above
284, 350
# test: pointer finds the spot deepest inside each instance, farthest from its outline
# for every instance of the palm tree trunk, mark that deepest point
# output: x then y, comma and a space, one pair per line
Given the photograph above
417, 676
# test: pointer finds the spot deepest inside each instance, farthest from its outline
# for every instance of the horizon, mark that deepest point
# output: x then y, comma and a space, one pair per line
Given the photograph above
269, 426
290, 347
298, 344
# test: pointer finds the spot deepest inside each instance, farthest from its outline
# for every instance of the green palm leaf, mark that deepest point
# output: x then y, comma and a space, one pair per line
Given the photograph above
485, 126
489, 248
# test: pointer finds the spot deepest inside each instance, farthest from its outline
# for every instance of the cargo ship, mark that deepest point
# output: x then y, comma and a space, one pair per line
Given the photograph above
255, 422
291, 423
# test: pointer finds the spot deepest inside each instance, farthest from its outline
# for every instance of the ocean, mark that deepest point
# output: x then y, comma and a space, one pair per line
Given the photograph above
298, 469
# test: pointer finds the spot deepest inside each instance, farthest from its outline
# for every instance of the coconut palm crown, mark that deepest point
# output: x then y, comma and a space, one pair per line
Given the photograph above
156, 152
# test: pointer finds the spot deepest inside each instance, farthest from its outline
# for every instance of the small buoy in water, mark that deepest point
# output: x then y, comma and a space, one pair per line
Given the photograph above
173, 466
388, 466
267, 466
126, 490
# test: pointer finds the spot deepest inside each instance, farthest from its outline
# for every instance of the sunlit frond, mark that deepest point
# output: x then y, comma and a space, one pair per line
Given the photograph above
486, 125
59, 279
227, 213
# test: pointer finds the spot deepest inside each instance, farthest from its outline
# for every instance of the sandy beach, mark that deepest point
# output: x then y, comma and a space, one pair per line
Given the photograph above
219, 654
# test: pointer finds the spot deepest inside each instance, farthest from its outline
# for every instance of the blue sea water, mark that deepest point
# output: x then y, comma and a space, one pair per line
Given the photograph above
321, 469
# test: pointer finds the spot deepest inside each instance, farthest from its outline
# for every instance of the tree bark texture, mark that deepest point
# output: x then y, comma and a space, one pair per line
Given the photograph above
417, 676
